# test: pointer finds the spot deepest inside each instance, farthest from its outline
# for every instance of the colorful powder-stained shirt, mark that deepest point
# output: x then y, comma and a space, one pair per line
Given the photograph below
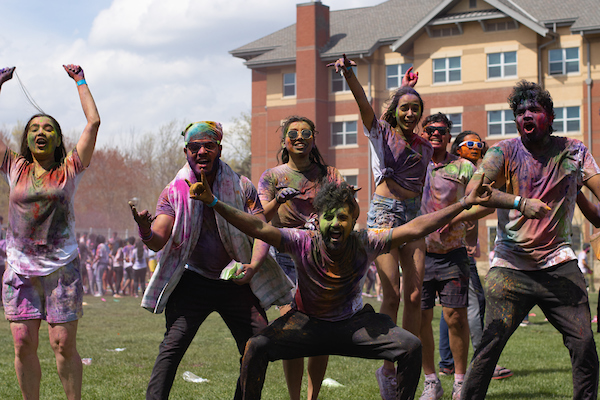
445, 185
295, 212
327, 290
555, 178
392, 156
41, 219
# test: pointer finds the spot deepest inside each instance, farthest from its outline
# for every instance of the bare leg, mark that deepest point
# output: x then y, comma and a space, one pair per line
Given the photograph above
412, 259
27, 365
427, 341
317, 366
389, 273
458, 333
64, 343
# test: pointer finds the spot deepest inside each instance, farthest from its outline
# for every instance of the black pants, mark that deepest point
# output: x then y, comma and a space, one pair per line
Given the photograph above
192, 301
367, 334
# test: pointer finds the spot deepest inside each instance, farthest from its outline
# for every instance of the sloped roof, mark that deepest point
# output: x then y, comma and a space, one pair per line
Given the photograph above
398, 23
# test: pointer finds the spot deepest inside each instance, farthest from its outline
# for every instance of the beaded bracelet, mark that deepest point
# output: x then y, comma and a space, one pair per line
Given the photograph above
212, 203
81, 82
147, 237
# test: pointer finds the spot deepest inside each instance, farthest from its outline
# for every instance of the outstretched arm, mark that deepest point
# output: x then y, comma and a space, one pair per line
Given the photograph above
589, 209
87, 141
366, 111
249, 224
6, 74
154, 232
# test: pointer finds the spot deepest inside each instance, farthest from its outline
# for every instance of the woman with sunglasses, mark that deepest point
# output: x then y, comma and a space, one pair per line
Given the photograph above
399, 162
43, 281
287, 192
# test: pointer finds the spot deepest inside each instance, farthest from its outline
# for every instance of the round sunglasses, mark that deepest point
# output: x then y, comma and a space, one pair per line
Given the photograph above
293, 134
471, 144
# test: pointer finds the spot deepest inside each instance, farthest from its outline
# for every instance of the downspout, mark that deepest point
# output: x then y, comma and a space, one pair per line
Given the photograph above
540, 56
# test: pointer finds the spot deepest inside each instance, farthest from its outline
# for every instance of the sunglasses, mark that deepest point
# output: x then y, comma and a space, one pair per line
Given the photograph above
472, 145
194, 147
430, 130
293, 134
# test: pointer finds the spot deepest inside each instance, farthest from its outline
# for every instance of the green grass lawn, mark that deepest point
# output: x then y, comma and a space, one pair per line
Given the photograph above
535, 353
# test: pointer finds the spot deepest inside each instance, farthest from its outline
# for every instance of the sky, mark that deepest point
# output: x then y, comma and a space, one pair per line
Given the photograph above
147, 62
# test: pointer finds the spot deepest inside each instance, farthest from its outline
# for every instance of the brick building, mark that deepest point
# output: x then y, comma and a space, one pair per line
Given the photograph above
469, 54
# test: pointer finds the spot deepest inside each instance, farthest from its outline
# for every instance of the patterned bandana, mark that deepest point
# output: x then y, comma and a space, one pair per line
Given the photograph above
203, 130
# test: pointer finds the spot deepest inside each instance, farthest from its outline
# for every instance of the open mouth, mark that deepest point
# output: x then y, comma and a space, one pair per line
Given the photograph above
529, 127
335, 235
41, 141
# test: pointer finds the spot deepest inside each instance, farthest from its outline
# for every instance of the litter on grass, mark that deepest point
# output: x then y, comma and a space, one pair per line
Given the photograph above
117, 349
86, 361
191, 377
331, 383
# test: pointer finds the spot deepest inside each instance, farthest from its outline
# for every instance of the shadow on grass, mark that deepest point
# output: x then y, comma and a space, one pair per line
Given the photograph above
524, 395
537, 371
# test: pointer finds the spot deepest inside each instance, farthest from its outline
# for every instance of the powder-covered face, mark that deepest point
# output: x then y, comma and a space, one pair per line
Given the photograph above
299, 146
533, 122
471, 154
42, 138
205, 159
437, 134
408, 112
336, 226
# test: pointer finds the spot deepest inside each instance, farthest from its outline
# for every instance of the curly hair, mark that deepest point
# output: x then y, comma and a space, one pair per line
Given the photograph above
59, 153
389, 115
314, 156
530, 91
334, 195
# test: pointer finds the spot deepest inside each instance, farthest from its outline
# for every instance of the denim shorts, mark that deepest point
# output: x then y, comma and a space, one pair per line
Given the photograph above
386, 213
56, 298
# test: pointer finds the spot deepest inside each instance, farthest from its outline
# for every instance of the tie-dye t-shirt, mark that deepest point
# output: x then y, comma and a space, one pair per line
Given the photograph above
393, 157
445, 185
555, 178
327, 290
41, 219
295, 212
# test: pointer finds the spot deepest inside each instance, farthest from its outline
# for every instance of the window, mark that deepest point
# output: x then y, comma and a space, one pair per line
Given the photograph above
343, 133
502, 65
446, 70
394, 74
501, 123
501, 26
456, 120
338, 82
289, 84
563, 61
444, 32
351, 179
566, 119
491, 237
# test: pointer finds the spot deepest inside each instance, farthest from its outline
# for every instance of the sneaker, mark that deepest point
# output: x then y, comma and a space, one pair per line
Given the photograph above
501, 372
387, 385
433, 390
456, 389
445, 371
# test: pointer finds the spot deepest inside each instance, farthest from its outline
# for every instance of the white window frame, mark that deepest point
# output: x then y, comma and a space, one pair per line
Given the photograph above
454, 117
398, 75
561, 115
338, 77
563, 62
344, 133
503, 65
293, 85
446, 69
507, 123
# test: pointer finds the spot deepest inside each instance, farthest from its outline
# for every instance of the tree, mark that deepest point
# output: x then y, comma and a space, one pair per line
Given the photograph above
237, 145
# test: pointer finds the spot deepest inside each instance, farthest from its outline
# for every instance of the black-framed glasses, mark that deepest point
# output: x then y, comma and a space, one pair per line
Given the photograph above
472, 144
293, 134
194, 147
430, 130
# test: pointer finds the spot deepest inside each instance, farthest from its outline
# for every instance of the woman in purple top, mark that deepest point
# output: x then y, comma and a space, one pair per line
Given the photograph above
287, 192
399, 163
43, 279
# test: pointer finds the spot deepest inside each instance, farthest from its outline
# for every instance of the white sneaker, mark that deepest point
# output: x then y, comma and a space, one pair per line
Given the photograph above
456, 389
433, 390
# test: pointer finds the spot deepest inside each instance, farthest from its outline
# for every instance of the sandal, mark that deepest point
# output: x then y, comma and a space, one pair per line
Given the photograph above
501, 372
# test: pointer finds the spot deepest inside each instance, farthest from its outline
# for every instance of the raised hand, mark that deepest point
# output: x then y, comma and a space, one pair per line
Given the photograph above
201, 190
410, 78
6, 74
143, 219
343, 63
481, 193
74, 71
285, 194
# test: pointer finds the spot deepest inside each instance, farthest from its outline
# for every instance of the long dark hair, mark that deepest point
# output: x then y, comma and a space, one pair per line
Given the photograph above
314, 156
59, 153
139, 245
390, 114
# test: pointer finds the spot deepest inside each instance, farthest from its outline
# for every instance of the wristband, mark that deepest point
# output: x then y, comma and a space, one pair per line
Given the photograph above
147, 237
517, 202
463, 203
212, 203
81, 82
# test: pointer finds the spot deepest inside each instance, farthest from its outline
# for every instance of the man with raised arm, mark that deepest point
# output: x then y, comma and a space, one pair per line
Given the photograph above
327, 315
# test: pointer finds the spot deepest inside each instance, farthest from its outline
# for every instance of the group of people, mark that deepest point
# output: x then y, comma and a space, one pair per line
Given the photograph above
210, 220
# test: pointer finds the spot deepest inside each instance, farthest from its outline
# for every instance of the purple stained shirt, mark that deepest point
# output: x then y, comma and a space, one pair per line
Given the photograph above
445, 185
555, 178
328, 291
295, 212
393, 157
41, 219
